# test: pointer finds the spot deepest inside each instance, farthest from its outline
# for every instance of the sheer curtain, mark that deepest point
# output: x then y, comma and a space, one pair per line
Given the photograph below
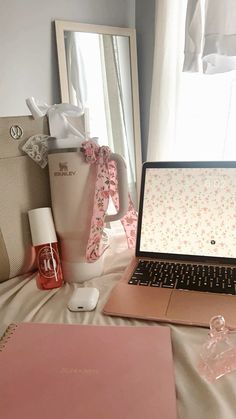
114, 52
75, 71
167, 67
210, 39
99, 83
193, 104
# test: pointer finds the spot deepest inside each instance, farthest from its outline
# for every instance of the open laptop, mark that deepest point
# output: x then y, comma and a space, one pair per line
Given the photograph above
184, 269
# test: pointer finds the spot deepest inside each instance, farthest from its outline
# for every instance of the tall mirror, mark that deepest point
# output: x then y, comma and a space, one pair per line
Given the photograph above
98, 72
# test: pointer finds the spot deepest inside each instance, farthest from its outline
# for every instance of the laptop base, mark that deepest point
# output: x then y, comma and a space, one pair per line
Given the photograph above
168, 305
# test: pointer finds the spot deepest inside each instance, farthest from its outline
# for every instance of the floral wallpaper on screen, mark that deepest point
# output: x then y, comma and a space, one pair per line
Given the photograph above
190, 211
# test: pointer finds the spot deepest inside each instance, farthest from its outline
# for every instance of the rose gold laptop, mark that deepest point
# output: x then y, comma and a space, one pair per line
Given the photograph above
184, 270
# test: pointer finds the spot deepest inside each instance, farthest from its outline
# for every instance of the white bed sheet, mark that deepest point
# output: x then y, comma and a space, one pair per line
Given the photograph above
21, 300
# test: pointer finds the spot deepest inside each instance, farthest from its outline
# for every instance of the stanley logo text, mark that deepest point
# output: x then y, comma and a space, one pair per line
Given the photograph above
64, 171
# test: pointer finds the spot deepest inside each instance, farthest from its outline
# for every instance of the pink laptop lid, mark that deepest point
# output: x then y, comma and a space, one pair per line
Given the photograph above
94, 372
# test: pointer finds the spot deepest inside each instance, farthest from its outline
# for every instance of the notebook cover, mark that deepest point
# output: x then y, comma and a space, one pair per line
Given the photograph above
69, 371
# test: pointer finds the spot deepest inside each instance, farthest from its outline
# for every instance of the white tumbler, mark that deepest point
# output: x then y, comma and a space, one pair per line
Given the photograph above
73, 182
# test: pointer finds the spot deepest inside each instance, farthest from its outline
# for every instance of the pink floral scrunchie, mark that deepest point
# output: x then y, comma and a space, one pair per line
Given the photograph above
106, 186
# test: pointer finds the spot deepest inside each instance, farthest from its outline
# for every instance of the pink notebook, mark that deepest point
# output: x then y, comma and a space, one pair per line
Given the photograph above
63, 371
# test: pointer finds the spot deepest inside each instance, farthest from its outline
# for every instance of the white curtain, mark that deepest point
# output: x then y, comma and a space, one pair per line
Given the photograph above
210, 42
168, 62
77, 85
118, 107
192, 114
113, 95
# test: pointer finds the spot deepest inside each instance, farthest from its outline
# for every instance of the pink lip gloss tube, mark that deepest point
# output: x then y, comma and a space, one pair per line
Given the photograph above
44, 240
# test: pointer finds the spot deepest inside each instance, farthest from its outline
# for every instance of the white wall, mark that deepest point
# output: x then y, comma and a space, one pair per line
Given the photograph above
145, 29
28, 47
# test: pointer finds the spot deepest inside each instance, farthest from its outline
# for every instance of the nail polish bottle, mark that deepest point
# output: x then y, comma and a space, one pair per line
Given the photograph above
44, 240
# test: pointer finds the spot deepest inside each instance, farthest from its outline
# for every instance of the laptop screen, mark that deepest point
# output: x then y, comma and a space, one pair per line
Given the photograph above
188, 209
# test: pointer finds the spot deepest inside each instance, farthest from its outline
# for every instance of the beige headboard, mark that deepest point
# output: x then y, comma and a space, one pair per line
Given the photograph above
23, 186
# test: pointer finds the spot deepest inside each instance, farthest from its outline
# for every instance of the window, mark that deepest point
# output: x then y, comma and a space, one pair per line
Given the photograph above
206, 123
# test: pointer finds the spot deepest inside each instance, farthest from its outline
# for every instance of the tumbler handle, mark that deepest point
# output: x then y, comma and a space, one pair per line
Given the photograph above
122, 187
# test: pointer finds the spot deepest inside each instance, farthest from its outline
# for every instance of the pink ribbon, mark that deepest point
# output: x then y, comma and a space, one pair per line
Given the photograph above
106, 187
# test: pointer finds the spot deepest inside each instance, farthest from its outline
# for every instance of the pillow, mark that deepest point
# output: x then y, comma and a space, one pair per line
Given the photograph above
23, 186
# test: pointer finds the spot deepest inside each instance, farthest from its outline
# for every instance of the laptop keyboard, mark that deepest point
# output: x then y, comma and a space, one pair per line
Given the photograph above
193, 277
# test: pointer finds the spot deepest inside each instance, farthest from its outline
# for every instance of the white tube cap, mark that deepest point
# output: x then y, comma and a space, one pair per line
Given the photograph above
42, 226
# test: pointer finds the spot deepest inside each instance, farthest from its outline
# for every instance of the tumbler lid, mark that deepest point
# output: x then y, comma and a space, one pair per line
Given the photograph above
42, 226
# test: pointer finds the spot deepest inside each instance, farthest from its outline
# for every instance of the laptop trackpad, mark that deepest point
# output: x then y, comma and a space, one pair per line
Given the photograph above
198, 307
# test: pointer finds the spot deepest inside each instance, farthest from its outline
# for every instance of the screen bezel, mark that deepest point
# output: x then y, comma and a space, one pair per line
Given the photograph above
174, 256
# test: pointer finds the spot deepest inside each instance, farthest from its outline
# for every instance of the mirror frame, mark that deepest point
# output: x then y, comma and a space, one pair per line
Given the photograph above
61, 26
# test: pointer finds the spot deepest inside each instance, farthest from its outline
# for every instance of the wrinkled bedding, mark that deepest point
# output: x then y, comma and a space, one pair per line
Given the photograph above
21, 300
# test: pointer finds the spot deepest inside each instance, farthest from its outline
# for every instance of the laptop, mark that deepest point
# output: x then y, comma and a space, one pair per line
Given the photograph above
184, 269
